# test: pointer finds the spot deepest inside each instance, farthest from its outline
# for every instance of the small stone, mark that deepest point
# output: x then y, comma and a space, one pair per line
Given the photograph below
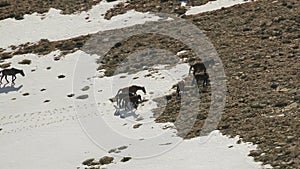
137, 126
26, 94
125, 159
71, 95
61, 76
46, 101
85, 88
85, 96
122, 147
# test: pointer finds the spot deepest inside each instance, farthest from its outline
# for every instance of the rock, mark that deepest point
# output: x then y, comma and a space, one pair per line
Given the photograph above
88, 161
106, 160
46, 101
114, 151
274, 86
71, 95
125, 159
85, 88
25, 94
25, 62
281, 104
137, 126
122, 147
61, 76
85, 96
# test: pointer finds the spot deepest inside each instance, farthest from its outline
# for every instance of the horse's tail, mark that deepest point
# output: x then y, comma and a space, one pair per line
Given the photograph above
119, 91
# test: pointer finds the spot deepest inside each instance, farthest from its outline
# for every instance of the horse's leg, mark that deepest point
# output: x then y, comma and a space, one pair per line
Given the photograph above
205, 82
6, 79
13, 78
193, 81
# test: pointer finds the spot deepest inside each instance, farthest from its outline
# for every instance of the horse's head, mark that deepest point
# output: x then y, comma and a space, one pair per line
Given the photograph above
144, 90
22, 73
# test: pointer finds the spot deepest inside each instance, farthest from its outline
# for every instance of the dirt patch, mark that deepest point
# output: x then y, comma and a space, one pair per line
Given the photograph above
25, 62
17, 9
5, 65
155, 6
44, 47
120, 52
171, 6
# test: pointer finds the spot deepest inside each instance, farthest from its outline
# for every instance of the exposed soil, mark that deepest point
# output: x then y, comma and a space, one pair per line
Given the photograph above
44, 47
123, 49
17, 9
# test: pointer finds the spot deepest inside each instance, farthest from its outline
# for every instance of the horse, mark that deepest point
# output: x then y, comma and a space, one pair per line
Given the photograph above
11, 72
132, 89
201, 66
197, 67
204, 77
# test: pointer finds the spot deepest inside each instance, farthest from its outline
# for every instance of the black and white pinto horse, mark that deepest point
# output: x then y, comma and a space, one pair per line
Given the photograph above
11, 72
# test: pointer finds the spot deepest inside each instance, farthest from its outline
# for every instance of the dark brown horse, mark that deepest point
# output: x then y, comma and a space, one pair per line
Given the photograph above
132, 89
197, 68
10, 72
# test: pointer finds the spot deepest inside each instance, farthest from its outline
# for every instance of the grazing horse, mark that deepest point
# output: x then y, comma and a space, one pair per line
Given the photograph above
201, 77
10, 72
132, 89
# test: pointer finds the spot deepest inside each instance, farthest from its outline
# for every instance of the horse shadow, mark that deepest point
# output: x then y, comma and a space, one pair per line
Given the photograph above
125, 113
11, 88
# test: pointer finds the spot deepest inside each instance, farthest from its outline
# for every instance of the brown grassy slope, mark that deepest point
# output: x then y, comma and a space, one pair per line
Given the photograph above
17, 9
259, 46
